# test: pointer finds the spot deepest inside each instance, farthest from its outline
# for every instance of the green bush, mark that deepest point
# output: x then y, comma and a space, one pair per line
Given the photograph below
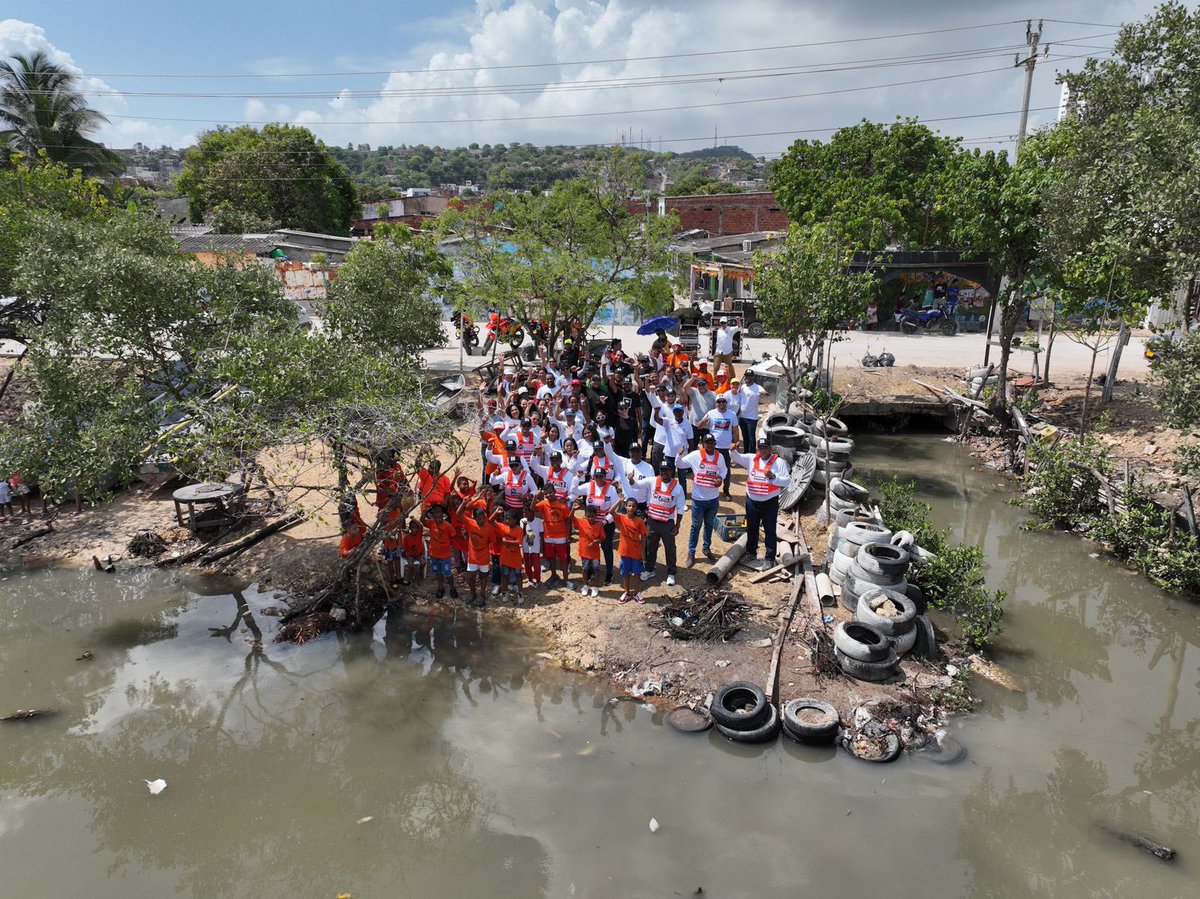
1175, 372
1060, 490
953, 580
1187, 460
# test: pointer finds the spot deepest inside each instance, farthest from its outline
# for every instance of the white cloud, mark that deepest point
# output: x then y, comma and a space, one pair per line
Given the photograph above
25, 38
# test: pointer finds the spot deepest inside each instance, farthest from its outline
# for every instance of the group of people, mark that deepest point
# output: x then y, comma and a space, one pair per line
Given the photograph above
575, 452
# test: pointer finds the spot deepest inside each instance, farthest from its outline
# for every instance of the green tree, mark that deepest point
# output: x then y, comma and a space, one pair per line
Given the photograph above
805, 293
562, 257
281, 176
43, 113
386, 292
877, 185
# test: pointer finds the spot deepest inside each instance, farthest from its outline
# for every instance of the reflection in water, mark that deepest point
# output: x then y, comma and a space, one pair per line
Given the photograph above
488, 771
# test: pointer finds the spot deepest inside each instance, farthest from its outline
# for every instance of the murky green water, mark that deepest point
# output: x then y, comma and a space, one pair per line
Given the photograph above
487, 773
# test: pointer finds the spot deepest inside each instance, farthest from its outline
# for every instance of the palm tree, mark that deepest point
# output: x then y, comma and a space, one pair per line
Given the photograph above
41, 111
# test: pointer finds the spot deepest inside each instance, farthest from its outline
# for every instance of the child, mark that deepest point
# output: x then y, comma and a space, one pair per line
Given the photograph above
392, 553
353, 526
631, 548
412, 548
512, 537
591, 533
533, 543
555, 516
479, 547
440, 533
6, 508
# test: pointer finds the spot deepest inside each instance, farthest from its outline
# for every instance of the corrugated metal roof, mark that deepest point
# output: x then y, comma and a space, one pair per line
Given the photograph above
258, 244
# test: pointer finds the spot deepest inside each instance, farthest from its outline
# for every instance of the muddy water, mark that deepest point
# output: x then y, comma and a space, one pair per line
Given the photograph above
485, 771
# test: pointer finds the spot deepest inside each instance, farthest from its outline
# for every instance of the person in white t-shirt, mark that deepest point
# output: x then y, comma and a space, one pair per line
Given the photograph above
721, 423
748, 396
723, 345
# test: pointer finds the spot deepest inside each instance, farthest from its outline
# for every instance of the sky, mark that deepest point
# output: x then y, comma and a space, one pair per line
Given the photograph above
665, 74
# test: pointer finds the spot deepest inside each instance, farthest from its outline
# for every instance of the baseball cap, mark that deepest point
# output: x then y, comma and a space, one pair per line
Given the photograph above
710, 436
510, 444
677, 408
498, 426
724, 320
763, 441
722, 398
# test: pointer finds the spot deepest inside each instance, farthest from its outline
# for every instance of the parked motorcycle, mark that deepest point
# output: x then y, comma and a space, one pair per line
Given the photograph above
504, 328
465, 330
944, 318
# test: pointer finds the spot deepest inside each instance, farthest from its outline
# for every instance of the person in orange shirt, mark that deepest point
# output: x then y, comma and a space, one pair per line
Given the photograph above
440, 534
631, 548
412, 549
480, 533
679, 359
433, 487
388, 479
392, 551
591, 533
556, 526
512, 559
492, 443
700, 371
353, 526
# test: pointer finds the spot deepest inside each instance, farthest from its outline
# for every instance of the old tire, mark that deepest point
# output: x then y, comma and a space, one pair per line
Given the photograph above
949, 750
849, 491
903, 539
925, 646
904, 643
890, 627
860, 586
830, 427
887, 561
848, 600
861, 641
761, 734
917, 595
833, 444
890, 753
776, 420
873, 672
740, 705
839, 567
807, 732
832, 469
755, 330
789, 436
857, 533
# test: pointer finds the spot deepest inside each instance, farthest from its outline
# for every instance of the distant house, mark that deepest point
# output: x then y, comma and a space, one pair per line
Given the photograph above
720, 214
416, 211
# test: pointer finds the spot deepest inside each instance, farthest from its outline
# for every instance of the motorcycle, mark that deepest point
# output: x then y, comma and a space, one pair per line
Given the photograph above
943, 318
503, 328
465, 329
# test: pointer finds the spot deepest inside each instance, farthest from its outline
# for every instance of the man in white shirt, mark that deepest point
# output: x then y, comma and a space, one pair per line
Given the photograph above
723, 345
766, 476
709, 470
634, 465
664, 512
722, 424
748, 395
555, 475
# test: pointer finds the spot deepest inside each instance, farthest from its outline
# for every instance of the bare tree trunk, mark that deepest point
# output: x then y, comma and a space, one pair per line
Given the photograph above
1087, 391
1049, 348
1110, 378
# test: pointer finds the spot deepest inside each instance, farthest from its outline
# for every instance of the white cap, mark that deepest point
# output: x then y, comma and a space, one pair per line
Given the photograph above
724, 320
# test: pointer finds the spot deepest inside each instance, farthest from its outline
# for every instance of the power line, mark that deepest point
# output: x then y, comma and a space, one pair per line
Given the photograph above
580, 62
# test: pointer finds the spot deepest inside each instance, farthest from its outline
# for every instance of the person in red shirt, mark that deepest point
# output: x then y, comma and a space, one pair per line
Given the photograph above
631, 548
433, 487
556, 534
512, 537
392, 532
590, 528
480, 533
440, 534
353, 527
412, 548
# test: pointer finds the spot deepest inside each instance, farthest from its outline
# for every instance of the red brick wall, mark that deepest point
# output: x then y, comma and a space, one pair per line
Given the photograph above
724, 213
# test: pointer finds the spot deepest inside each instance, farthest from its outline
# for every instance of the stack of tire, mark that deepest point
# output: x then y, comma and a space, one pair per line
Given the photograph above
845, 496
831, 444
788, 440
741, 712
864, 652
852, 536
877, 566
810, 721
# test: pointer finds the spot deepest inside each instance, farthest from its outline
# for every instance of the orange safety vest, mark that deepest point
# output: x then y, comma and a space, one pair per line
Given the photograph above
558, 480
514, 491
662, 502
598, 499
757, 485
601, 463
708, 474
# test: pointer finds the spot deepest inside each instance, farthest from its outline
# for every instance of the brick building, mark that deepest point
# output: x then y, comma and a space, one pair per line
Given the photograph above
722, 214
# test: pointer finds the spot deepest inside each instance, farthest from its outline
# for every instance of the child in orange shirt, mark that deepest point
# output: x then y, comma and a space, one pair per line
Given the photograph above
480, 533
555, 515
591, 532
441, 532
512, 537
631, 548
392, 551
412, 549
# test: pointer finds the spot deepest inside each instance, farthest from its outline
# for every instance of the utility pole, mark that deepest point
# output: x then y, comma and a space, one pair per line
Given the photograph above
1029, 62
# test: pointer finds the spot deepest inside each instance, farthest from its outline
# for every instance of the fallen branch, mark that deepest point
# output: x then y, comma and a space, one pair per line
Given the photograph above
29, 538
780, 636
206, 555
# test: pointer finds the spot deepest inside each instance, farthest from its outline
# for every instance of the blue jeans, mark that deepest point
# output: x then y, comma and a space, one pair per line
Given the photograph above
749, 426
703, 510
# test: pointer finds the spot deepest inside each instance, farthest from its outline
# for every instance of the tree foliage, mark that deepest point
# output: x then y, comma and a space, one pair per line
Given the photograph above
43, 114
282, 176
877, 184
562, 256
805, 293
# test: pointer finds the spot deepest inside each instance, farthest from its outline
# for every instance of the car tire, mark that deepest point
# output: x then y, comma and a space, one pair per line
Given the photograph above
849, 491
882, 559
891, 627
820, 445
917, 595
925, 646
861, 641
789, 436
904, 643
860, 532
832, 469
755, 330
860, 587
740, 705
761, 734
872, 672
830, 427
806, 732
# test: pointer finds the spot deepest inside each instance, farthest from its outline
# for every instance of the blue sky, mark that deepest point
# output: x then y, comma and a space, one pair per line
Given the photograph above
457, 71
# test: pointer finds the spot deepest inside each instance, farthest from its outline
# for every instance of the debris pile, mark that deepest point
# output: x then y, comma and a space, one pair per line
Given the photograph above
709, 614
301, 630
147, 545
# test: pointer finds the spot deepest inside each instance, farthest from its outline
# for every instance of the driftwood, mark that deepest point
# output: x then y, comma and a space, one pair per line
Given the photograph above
780, 636
207, 555
1156, 849
29, 538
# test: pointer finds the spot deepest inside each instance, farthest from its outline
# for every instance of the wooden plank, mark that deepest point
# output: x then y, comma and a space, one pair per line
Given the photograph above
780, 636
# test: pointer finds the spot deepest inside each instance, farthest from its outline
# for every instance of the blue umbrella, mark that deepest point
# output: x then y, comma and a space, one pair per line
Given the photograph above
660, 323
